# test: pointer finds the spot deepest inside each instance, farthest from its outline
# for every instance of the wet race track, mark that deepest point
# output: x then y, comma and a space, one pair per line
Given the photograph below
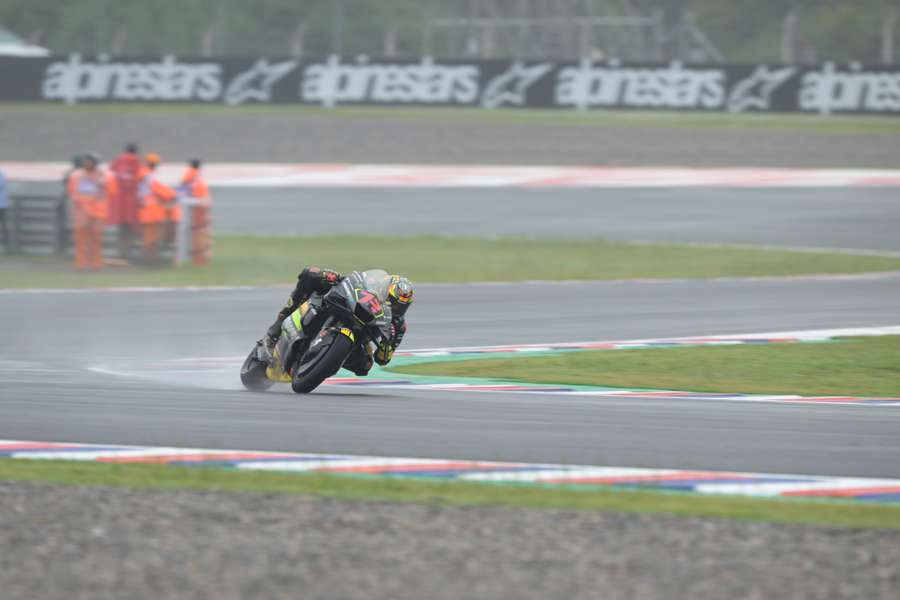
111, 374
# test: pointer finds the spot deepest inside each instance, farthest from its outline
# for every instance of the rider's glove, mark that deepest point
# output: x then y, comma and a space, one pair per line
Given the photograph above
384, 354
274, 332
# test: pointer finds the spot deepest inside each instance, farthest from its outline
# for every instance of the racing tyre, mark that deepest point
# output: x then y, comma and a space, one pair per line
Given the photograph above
327, 363
253, 373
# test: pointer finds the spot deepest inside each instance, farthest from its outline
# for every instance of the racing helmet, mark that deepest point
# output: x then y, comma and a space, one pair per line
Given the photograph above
399, 295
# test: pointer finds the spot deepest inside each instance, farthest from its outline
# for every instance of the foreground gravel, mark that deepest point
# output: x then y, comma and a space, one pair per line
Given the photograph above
48, 134
60, 542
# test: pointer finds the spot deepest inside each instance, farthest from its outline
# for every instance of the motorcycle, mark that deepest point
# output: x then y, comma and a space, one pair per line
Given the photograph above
319, 336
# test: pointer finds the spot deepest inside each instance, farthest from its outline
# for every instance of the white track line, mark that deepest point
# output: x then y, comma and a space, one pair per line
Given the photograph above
697, 481
482, 176
869, 276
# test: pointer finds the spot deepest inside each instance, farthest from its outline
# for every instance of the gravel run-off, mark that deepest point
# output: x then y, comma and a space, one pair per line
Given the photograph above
66, 542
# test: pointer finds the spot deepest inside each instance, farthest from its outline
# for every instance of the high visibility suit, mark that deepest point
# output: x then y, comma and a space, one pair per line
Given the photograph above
171, 217
123, 210
194, 186
89, 194
154, 199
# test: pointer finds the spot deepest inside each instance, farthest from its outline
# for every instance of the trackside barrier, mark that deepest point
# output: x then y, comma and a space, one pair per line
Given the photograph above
38, 225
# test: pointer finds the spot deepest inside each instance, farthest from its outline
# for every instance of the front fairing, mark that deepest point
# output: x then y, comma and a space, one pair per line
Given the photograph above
380, 329
360, 300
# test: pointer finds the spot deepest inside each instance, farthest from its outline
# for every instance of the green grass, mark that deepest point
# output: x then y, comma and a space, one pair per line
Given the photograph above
358, 488
592, 118
867, 366
248, 260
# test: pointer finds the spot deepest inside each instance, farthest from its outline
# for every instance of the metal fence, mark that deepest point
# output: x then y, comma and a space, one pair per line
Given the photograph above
798, 31
38, 224
544, 29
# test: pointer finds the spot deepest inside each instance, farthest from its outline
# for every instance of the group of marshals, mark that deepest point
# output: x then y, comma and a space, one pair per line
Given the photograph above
129, 195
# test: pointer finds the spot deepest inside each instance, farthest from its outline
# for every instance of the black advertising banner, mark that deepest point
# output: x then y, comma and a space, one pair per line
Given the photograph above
332, 81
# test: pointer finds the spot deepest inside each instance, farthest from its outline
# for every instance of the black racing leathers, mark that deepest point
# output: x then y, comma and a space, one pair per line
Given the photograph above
315, 280
310, 281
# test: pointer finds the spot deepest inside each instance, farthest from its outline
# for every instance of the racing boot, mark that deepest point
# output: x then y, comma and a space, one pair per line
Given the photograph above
267, 346
360, 360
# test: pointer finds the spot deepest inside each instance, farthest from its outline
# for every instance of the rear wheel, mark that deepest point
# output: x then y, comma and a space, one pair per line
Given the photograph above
325, 364
253, 372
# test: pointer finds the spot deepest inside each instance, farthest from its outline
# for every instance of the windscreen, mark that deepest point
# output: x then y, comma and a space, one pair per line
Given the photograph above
377, 281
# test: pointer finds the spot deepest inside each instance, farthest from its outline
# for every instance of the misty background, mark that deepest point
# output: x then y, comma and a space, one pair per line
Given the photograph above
796, 31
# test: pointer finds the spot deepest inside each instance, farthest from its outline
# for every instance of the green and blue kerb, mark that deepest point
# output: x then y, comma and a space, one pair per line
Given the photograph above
394, 377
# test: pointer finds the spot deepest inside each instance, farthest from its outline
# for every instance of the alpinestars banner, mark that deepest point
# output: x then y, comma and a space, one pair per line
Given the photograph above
332, 81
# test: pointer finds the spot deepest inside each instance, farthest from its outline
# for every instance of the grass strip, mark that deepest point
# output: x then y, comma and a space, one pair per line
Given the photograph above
865, 366
803, 123
256, 260
385, 489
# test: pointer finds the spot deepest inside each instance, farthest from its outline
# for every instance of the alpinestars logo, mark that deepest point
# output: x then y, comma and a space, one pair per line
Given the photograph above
755, 92
511, 86
74, 80
166, 80
255, 84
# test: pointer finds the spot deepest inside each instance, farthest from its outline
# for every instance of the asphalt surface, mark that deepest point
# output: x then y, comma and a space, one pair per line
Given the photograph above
856, 219
861, 218
56, 133
48, 393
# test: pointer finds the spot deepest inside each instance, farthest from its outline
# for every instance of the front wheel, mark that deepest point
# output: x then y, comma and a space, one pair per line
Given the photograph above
253, 372
308, 377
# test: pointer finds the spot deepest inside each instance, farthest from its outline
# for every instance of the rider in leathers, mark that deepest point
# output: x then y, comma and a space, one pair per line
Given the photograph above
315, 280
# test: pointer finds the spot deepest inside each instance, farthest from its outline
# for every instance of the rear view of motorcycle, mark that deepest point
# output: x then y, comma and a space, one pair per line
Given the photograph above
318, 337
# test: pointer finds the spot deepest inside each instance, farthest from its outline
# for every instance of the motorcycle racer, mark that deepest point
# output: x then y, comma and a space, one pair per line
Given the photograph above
315, 280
